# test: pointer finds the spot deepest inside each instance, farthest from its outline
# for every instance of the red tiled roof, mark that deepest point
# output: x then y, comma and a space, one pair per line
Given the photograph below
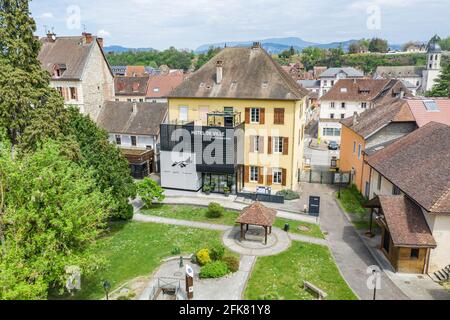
419, 165
423, 116
405, 221
356, 90
130, 86
159, 86
135, 71
257, 214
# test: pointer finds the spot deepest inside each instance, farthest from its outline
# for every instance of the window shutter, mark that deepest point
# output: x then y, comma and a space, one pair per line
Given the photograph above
261, 175
285, 146
262, 116
269, 151
279, 116
247, 174
252, 143
283, 178
247, 115
269, 177
261, 144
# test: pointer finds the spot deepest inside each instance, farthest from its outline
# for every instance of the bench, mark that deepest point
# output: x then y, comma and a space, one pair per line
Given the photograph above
320, 293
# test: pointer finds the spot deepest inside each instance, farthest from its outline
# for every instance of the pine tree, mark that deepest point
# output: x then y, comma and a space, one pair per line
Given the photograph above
25, 95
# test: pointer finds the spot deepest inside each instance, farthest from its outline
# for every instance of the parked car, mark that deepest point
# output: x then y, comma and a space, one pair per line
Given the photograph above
333, 145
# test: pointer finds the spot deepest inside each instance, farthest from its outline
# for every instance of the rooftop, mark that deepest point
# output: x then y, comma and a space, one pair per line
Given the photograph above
141, 118
427, 110
349, 71
400, 71
130, 86
248, 73
258, 215
160, 86
356, 90
419, 165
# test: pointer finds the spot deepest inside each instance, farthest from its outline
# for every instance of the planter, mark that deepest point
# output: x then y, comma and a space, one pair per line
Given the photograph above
207, 192
227, 194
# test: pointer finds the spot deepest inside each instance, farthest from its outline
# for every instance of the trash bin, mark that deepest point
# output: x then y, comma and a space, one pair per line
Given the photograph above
287, 227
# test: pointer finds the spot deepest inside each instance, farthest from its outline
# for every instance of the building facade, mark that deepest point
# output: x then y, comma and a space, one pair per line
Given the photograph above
331, 76
79, 71
242, 91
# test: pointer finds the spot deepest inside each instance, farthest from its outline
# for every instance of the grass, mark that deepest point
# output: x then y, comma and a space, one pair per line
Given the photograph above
352, 201
192, 213
281, 277
134, 249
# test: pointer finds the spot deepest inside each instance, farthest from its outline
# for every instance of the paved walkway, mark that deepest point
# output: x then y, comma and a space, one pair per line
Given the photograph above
350, 253
194, 224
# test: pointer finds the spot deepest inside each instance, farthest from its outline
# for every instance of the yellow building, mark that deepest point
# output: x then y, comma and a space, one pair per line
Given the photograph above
240, 89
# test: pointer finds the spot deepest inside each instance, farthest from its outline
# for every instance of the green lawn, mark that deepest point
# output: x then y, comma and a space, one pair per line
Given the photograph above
281, 277
191, 213
352, 201
134, 249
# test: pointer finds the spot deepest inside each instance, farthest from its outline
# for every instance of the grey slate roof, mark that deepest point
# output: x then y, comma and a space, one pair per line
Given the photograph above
399, 72
349, 71
309, 83
118, 117
248, 73
72, 52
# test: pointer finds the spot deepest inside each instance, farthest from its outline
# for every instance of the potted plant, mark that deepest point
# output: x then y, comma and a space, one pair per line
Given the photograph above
227, 191
207, 189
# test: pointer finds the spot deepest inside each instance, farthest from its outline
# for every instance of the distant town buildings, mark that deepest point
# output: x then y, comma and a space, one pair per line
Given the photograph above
331, 76
79, 71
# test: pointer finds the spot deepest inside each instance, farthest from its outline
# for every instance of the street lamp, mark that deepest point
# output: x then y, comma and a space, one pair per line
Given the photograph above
106, 287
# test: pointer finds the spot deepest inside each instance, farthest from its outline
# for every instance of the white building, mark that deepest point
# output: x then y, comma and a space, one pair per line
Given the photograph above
79, 71
353, 96
329, 77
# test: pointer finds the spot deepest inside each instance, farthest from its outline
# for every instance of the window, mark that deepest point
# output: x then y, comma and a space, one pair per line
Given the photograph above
332, 83
134, 141
379, 182
325, 83
342, 115
254, 174
344, 90
278, 116
415, 253
396, 191
364, 105
155, 89
277, 176
331, 115
141, 100
343, 105
257, 144
118, 139
183, 114
278, 145
73, 93
332, 105
129, 100
359, 152
334, 132
254, 115
354, 147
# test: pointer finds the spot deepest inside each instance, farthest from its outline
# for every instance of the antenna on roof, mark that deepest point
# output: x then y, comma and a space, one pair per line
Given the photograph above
46, 29
84, 27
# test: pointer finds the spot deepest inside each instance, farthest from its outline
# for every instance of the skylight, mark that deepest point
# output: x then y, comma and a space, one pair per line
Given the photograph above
430, 105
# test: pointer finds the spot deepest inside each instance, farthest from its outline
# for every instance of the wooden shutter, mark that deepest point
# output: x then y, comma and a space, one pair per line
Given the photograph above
269, 151
283, 178
278, 116
261, 175
252, 143
247, 174
262, 116
247, 115
261, 144
285, 146
269, 177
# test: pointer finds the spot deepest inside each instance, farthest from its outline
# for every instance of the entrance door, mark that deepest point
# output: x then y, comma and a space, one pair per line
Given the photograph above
387, 241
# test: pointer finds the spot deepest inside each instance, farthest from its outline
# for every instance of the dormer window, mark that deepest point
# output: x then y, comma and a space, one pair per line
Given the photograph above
58, 70
136, 87
343, 90
156, 89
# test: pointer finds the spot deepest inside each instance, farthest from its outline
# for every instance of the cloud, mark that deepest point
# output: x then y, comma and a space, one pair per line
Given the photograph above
103, 33
47, 15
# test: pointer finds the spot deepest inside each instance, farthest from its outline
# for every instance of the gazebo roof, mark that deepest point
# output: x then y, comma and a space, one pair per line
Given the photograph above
258, 215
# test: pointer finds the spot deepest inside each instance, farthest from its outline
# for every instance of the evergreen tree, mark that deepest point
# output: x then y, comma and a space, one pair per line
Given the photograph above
441, 88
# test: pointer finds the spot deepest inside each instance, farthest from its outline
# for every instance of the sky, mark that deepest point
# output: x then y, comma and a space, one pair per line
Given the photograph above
187, 24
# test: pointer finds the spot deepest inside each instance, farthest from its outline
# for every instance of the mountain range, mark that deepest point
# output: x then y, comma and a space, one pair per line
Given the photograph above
120, 49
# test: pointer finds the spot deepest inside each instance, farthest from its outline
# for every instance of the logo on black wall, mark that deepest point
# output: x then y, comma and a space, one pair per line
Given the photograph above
182, 164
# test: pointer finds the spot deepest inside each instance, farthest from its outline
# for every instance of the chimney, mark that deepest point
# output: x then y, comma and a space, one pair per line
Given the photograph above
51, 37
355, 118
219, 71
100, 42
256, 45
134, 107
87, 37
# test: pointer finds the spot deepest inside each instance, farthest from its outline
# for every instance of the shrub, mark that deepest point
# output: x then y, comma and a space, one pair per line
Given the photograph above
203, 257
232, 263
215, 210
288, 194
217, 252
216, 269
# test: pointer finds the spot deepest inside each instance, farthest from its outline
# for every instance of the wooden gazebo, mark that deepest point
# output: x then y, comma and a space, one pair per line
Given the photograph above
257, 215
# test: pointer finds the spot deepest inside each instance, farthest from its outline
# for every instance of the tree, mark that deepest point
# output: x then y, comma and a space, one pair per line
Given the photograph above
313, 56
52, 212
441, 88
445, 44
25, 95
358, 47
150, 191
110, 168
205, 57
378, 45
